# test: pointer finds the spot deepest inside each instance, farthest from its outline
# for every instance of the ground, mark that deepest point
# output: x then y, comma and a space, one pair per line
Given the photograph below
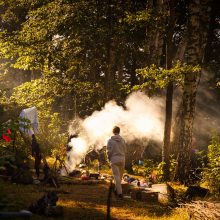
85, 202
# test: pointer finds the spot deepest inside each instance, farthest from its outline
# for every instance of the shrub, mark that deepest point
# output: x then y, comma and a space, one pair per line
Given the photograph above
144, 168
212, 171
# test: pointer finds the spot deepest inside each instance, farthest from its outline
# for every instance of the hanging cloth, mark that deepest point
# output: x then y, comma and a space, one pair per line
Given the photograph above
31, 115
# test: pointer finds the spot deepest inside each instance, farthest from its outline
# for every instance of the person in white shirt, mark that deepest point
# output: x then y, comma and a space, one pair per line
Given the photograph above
116, 149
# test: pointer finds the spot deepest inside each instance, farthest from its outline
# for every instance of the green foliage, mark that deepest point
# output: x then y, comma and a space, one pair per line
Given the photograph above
156, 77
51, 138
138, 19
35, 93
212, 172
12, 151
10, 128
49, 93
160, 168
146, 168
153, 170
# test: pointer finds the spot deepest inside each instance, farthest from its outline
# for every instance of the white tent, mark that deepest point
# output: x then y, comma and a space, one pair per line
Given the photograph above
31, 115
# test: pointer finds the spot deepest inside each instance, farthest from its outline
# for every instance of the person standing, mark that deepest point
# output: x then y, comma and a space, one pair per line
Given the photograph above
116, 149
36, 154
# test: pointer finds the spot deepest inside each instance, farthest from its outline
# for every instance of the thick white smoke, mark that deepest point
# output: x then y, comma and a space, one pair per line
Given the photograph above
143, 117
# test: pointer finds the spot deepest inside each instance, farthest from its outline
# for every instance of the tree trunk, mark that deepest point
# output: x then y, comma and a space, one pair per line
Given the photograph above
179, 56
197, 34
169, 94
110, 59
154, 48
154, 35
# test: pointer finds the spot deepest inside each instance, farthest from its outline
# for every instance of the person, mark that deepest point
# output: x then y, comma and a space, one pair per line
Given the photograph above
116, 149
36, 154
68, 147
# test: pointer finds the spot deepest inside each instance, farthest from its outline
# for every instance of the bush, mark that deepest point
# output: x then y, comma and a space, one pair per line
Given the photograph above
13, 150
212, 172
144, 168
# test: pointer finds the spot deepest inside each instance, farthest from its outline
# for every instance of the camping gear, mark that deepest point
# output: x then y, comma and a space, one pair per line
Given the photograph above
22, 214
29, 115
46, 205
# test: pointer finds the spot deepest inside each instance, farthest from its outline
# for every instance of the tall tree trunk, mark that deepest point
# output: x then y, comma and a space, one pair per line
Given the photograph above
179, 56
154, 48
197, 34
169, 94
154, 35
110, 59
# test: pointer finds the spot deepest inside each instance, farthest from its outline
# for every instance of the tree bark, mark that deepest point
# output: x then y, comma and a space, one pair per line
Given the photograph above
110, 57
197, 34
154, 35
169, 94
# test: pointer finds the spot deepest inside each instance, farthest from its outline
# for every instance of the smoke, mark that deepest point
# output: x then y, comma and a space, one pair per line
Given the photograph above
207, 117
142, 118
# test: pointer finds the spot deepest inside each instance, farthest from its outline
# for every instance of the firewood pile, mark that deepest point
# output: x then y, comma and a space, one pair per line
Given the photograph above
78, 181
203, 210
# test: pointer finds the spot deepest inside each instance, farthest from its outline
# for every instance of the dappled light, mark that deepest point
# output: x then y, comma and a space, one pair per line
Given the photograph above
110, 109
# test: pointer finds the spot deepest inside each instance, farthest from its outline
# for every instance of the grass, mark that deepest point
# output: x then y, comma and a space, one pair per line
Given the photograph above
85, 202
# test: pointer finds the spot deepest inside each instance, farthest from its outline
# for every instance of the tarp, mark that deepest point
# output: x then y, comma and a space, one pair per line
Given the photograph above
31, 115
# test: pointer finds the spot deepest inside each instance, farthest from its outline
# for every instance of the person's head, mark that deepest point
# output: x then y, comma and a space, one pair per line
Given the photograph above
116, 130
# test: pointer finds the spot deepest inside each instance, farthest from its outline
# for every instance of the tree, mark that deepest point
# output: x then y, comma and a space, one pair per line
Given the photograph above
197, 36
87, 52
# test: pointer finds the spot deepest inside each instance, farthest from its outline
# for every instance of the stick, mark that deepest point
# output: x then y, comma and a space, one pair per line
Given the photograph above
108, 217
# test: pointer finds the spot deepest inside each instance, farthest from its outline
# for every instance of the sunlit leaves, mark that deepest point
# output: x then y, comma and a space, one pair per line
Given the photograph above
155, 77
44, 93
138, 19
212, 172
35, 93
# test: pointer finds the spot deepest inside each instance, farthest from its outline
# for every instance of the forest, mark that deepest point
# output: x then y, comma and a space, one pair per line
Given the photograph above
151, 67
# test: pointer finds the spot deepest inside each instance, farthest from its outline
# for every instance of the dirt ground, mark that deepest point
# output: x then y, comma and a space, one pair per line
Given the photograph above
84, 201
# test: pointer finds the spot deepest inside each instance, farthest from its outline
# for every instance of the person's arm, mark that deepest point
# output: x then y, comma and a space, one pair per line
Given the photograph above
32, 149
125, 147
109, 150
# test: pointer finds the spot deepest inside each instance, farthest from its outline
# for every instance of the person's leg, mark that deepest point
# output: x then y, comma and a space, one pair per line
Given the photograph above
121, 169
37, 166
117, 178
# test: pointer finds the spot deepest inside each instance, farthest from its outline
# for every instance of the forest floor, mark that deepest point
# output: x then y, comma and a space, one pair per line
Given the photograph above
85, 202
